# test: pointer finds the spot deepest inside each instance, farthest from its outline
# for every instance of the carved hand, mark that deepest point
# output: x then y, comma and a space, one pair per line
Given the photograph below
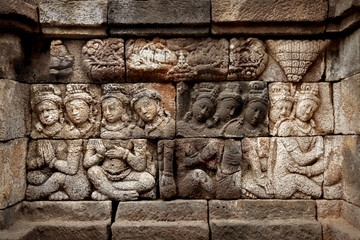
100, 148
48, 152
116, 152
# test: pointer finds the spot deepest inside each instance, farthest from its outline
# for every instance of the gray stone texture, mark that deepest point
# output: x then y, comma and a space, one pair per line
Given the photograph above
342, 166
177, 59
343, 57
73, 18
171, 17
13, 171
270, 16
178, 219
15, 116
338, 8
11, 56
347, 105
271, 219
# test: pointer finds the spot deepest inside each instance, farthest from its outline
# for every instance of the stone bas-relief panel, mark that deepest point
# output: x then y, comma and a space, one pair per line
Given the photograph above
177, 59
229, 109
97, 169
295, 57
205, 168
103, 59
300, 109
65, 111
282, 168
138, 111
121, 169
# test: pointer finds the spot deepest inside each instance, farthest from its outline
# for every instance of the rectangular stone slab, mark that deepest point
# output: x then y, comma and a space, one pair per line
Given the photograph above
129, 17
15, 116
177, 219
73, 18
12, 171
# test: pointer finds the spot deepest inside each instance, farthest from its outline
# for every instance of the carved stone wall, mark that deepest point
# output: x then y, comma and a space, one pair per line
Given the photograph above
175, 118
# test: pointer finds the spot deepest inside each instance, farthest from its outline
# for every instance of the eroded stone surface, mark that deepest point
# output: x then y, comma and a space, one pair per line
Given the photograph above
55, 170
301, 109
177, 59
263, 219
12, 172
61, 61
121, 170
71, 111
73, 18
138, 110
186, 17
205, 168
179, 219
342, 164
14, 109
296, 56
347, 105
232, 109
104, 59
248, 59
343, 57
11, 55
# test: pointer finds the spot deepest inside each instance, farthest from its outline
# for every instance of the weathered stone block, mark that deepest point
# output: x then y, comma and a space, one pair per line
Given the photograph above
343, 58
179, 219
301, 109
177, 59
170, 17
12, 172
121, 169
342, 165
73, 18
338, 8
9, 216
11, 56
295, 57
71, 111
347, 105
15, 116
207, 168
55, 170
246, 219
232, 16
231, 109
138, 111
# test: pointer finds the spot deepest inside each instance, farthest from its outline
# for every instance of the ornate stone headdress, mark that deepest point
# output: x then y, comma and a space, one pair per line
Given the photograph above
140, 91
45, 92
78, 91
258, 93
308, 91
280, 92
231, 91
205, 90
114, 91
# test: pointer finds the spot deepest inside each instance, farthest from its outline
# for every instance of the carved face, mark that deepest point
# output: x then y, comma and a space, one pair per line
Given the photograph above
146, 108
112, 109
78, 111
227, 109
202, 109
280, 110
48, 112
255, 113
306, 109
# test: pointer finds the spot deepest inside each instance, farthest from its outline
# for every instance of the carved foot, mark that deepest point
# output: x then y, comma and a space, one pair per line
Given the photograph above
247, 194
95, 195
59, 195
126, 195
33, 193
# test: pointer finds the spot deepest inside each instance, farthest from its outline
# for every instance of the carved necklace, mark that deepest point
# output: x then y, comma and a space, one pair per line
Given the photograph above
55, 129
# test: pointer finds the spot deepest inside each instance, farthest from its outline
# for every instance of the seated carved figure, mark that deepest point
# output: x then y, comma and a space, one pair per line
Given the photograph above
155, 121
117, 169
298, 163
199, 119
55, 171
252, 121
80, 111
117, 117
281, 101
306, 104
47, 105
